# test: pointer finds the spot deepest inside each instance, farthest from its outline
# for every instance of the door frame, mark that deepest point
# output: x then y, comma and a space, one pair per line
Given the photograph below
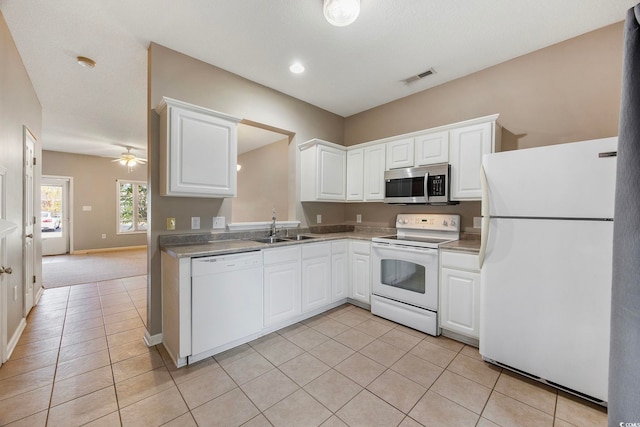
67, 205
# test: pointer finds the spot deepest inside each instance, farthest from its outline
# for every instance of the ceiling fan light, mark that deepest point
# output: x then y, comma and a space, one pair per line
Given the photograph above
86, 62
123, 162
341, 12
132, 162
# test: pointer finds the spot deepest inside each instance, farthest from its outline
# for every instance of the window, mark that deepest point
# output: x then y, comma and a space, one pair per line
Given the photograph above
132, 206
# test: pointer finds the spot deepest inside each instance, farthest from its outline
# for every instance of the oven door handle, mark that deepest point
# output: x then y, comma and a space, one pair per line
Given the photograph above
409, 249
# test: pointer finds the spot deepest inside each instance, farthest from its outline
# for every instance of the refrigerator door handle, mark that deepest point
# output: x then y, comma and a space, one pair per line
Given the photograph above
484, 231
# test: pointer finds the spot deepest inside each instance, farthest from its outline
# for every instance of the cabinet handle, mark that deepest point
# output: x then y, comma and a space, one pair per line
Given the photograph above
7, 270
29, 235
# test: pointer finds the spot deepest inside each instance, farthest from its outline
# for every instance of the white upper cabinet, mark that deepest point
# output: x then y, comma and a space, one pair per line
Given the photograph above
467, 146
400, 154
432, 148
374, 167
355, 175
198, 151
323, 171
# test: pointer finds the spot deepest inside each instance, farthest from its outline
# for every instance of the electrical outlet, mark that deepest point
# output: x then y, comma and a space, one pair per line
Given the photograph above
218, 222
171, 223
319, 219
104, 236
358, 218
195, 223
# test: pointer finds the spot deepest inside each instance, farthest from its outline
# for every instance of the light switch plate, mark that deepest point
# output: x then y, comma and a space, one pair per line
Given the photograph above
86, 208
195, 223
358, 218
171, 223
319, 219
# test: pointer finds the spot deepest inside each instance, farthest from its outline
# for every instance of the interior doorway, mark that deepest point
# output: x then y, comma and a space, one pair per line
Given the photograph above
55, 218
29, 278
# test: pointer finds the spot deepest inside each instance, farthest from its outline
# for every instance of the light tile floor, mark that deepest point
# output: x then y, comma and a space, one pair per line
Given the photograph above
82, 361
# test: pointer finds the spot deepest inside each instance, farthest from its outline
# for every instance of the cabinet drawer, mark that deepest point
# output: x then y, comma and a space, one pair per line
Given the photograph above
339, 247
460, 260
363, 248
315, 250
276, 256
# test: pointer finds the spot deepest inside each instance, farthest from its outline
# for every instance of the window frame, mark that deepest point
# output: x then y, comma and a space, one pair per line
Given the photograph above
135, 184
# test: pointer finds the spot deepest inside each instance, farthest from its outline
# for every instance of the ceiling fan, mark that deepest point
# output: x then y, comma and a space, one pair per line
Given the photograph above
129, 160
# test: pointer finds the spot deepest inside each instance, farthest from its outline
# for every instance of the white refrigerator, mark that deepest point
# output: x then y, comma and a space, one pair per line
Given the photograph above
546, 260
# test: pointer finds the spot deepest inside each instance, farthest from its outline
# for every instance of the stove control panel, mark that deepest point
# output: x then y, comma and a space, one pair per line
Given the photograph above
440, 222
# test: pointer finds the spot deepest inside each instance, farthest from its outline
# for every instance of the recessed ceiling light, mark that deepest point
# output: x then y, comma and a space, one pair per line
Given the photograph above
86, 62
296, 68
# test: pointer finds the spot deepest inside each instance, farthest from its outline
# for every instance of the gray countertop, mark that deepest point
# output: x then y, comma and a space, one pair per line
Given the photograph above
220, 247
469, 244
230, 246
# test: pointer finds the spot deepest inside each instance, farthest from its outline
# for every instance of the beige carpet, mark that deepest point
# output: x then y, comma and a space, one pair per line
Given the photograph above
65, 270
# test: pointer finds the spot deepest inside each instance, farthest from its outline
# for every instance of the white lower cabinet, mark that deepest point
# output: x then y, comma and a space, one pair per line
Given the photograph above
316, 275
460, 293
360, 256
339, 270
282, 290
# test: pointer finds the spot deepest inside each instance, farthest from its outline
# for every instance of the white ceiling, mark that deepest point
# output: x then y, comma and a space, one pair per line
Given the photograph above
348, 69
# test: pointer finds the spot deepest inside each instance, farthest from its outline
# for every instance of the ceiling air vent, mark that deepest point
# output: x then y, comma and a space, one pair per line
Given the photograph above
419, 76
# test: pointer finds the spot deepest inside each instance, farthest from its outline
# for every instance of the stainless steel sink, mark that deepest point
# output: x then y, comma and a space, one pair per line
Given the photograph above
300, 237
271, 240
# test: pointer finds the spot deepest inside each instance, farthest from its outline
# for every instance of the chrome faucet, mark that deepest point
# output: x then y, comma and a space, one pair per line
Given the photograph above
274, 232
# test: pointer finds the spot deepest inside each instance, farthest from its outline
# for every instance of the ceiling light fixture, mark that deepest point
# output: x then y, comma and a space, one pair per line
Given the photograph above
86, 62
129, 160
341, 12
296, 68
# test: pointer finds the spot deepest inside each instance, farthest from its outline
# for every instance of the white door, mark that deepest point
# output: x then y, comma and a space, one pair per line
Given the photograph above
3, 277
400, 154
282, 299
466, 148
54, 215
29, 220
374, 164
460, 301
545, 300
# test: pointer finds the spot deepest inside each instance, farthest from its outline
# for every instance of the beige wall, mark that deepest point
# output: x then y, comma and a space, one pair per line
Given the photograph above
94, 184
19, 106
262, 184
181, 77
563, 93
566, 92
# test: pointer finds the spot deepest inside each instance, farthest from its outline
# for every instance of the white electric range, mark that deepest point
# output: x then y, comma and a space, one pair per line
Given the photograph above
405, 269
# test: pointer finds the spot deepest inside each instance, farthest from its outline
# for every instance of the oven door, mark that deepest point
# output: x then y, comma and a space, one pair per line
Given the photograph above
406, 274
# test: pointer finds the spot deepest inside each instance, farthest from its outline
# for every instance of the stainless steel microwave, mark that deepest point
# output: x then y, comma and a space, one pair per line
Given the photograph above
419, 185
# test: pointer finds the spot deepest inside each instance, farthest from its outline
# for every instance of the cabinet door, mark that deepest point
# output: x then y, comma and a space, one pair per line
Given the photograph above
467, 146
374, 164
339, 270
355, 175
281, 292
432, 148
360, 277
201, 155
332, 168
316, 282
400, 154
460, 301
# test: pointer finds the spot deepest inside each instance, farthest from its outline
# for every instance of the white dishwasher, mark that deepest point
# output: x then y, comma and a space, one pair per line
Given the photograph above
226, 300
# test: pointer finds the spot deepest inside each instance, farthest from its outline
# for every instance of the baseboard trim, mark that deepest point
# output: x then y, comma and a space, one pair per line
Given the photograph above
38, 295
121, 248
13, 342
152, 340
